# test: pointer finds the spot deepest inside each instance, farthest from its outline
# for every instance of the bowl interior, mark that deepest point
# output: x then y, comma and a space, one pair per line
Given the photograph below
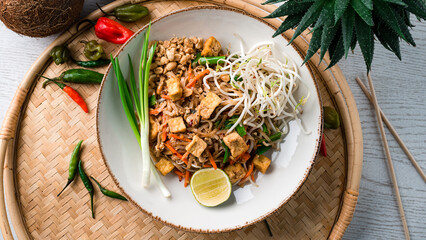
247, 205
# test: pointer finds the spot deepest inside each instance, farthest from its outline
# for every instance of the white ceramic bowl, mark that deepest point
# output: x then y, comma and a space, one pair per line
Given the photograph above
248, 205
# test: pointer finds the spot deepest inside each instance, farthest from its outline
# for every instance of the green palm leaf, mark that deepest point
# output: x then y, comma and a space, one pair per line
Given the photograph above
368, 4
348, 22
309, 18
339, 8
363, 11
314, 45
290, 22
387, 15
388, 38
398, 2
291, 7
366, 41
336, 52
416, 7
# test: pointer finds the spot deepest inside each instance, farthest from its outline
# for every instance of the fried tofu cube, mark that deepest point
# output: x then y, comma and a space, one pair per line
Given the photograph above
236, 144
197, 146
208, 105
174, 88
261, 163
176, 125
153, 129
211, 47
164, 166
235, 172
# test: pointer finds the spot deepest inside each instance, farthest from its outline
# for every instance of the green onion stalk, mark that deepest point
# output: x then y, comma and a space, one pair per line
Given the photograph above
131, 100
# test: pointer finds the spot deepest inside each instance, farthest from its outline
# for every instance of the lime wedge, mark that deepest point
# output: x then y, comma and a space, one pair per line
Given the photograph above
210, 187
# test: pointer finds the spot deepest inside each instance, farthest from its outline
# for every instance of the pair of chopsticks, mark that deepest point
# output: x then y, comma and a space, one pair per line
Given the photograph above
381, 117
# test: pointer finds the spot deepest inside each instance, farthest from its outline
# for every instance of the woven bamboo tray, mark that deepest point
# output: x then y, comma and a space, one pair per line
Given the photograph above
42, 126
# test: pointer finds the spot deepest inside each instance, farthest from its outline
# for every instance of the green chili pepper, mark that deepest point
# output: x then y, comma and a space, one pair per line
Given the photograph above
60, 54
331, 118
77, 76
93, 50
88, 184
109, 193
128, 12
92, 64
73, 165
226, 156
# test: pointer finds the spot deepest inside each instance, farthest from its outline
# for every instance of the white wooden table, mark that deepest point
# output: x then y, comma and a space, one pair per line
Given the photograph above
401, 92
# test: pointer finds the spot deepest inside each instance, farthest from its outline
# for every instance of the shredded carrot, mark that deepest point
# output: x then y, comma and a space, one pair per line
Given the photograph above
190, 73
164, 131
245, 156
252, 176
185, 158
186, 179
248, 172
166, 97
171, 135
212, 160
154, 111
180, 174
196, 78
207, 165
167, 144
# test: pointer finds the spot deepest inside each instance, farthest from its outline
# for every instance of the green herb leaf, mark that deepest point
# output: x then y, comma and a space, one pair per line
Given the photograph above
309, 18
241, 130
366, 41
229, 122
274, 137
363, 12
238, 78
152, 100
291, 21
368, 4
339, 8
226, 155
399, 2
290, 7
337, 53
348, 21
262, 149
265, 129
314, 45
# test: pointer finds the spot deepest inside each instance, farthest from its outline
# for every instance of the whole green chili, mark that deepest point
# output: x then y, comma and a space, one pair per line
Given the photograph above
73, 165
92, 64
107, 192
128, 12
60, 54
93, 50
88, 184
78, 76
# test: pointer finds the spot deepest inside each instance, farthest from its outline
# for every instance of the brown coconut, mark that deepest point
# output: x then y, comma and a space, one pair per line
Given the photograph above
39, 18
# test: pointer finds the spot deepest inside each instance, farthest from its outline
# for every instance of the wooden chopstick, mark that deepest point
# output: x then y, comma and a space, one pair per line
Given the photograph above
389, 158
393, 131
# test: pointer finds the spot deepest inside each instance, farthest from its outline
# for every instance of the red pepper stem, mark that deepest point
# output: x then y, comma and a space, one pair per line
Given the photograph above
108, 14
83, 21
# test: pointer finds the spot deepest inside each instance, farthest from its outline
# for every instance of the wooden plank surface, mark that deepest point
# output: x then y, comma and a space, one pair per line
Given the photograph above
401, 92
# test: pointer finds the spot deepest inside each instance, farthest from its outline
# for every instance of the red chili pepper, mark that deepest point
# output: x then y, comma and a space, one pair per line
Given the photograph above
112, 31
73, 94
323, 150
